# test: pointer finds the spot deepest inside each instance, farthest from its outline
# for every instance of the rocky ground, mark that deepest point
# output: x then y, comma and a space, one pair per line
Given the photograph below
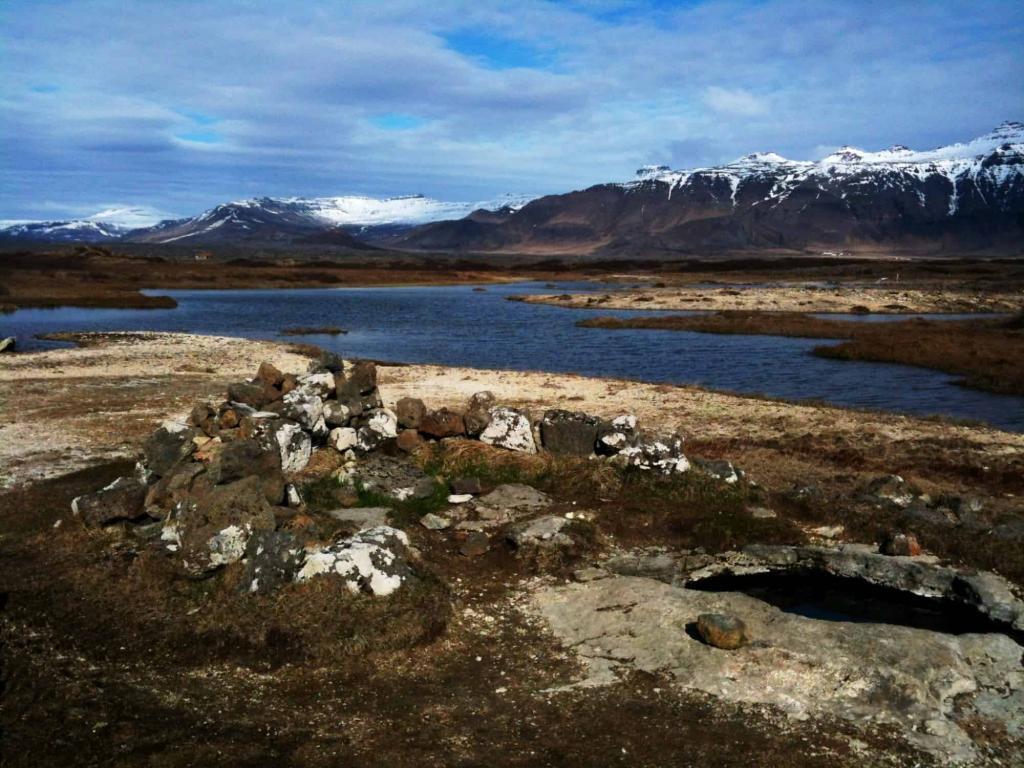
320, 568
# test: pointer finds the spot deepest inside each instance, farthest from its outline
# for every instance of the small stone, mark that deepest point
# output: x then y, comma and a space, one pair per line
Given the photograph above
828, 531
901, 545
722, 630
762, 513
293, 496
460, 498
8, 344
433, 522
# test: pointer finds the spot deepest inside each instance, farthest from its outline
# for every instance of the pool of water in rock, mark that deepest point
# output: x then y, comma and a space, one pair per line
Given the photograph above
474, 327
826, 597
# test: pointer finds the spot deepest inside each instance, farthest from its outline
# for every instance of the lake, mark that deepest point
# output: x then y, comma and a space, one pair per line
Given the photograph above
457, 325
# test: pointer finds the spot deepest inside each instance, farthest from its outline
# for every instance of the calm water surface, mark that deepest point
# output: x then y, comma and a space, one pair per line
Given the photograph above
456, 325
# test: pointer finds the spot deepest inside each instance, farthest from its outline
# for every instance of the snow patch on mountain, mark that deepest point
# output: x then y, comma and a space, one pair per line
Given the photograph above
993, 161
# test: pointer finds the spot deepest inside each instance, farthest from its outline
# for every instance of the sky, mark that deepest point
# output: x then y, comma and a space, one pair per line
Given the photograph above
175, 106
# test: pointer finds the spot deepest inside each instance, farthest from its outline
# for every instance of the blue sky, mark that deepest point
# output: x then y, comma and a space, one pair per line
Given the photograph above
177, 106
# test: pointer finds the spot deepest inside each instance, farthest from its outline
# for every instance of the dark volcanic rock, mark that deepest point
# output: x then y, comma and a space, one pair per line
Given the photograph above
272, 559
213, 529
242, 458
442, 423
360, 381
410, 412
123, 499
165, 448
254, 395
569, 433
478, 414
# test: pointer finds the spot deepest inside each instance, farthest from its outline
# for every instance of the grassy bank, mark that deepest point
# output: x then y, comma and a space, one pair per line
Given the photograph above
987, 353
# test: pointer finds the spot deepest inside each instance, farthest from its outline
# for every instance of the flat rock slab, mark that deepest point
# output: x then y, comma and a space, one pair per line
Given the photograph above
510, 502
361, 518
860, 672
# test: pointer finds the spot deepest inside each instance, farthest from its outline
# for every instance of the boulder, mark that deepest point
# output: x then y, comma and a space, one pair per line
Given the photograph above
8, 344
336, 414
569, 433
242, 458
660, 455
272, 559
343, 439
305, 407
293, 445
722, 630
319, 384
204, 417
616, 434
442, 423
478, 413
510, 429
269, 375
255, 395
410, 412
397, 478
213, 528
374, 561
123, 499
381, 425
329, 362
167, 446
360, 381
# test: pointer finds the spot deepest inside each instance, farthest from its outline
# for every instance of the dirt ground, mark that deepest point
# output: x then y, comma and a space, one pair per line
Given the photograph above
108, 660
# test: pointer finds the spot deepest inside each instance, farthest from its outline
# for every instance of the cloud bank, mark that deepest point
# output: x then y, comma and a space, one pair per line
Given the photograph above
175, 106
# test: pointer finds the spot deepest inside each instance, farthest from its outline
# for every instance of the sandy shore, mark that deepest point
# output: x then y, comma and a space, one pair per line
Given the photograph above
62, 409
793, 297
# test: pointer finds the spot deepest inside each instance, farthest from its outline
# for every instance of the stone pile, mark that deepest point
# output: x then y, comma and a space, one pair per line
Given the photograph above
222, 486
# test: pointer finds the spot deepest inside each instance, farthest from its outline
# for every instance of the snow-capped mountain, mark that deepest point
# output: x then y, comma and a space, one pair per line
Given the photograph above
334, 220
962, 196
309, 218
74, 231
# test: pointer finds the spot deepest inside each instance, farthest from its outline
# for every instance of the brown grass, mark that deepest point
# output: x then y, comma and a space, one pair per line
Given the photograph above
987, 353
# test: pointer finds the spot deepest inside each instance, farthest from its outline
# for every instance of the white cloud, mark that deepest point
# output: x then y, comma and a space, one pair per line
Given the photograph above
733, 101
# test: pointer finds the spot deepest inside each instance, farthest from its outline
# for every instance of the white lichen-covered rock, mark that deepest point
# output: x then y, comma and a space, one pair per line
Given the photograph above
343, 438
294, 445
372, 561
381, 424
659, 455
319, 384
304, 407
228, 545
336, 414
510, 429
617, 434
